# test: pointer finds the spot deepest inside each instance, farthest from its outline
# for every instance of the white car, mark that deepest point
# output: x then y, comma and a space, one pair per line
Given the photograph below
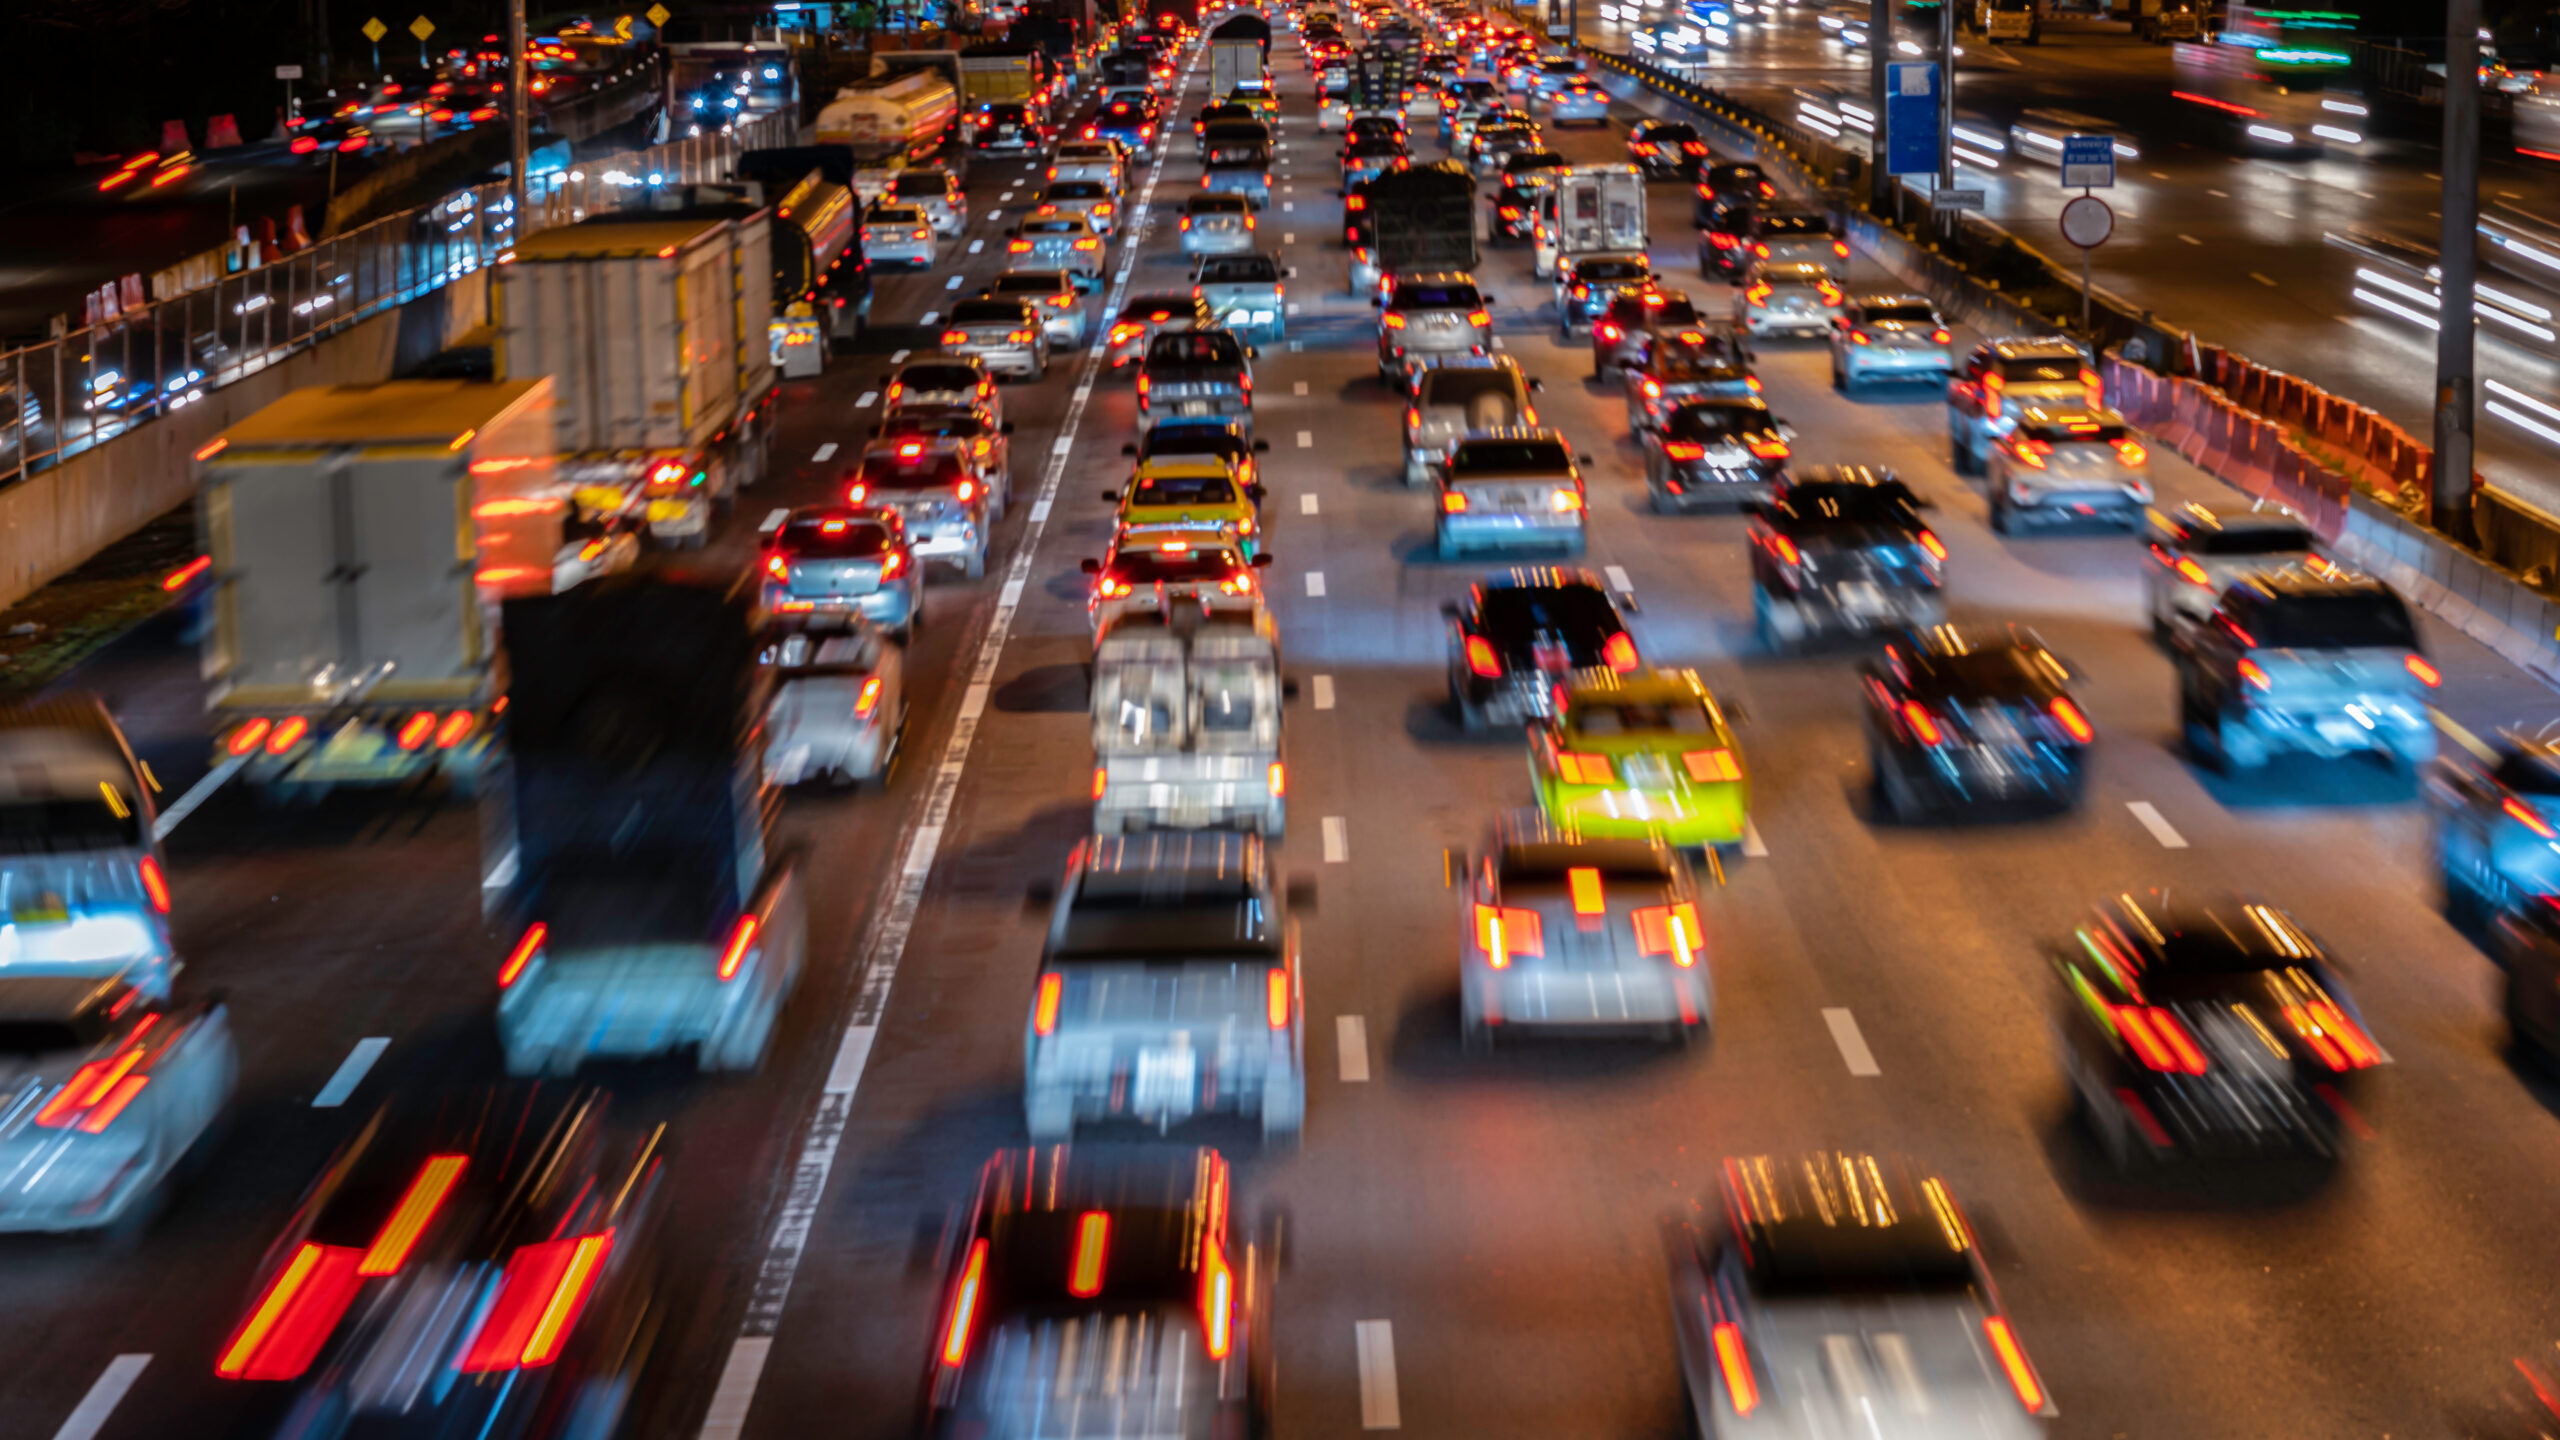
945, 204
2198, 551
2068, 467
897, 235
1795, 299
839, 707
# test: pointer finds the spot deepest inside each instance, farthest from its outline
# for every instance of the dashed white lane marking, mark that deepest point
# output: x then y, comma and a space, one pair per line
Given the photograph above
774, 521
1289, 238
196, 795
1853, 1046
2152, 820
951, 284
1323, 686
1618, 580
1337, 840
977, 245
2283, 214
1498, 345
827, 451
852, 1053
1352, 1034
1293, 307
1302, 388
90, 1415
351, 1072
1306, 504
2190, 239
1375, 1340
1288, 205
2159, 174
899, 357
1005, 196
1753, 847
863, 402
1039, 512
929, 316
1315, 584
1306, 440
1065, 444
737, 1390
2219, 194
2266, 280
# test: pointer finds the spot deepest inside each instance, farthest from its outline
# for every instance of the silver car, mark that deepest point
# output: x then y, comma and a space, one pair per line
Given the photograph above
1428, 318
937, 194
1889, 338
943, 383
897, 235
947, 508
1057, 242
1097, 202
1053, 293
1088, 160
1578, 100
1562, 933
1453, 401
1516, 489
2068, 467
1217, 224
1841, 1294
1010, 336
2197, 552
839, 707
1143, 317
1795, 298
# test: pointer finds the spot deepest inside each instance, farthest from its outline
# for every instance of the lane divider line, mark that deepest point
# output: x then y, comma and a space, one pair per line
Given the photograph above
1375, 1343
825, 453
2159, 826
1352, 1034
1315, 584
1323, 688
1306, 504
1853, 1045
1301, 388
1306, 440
1753, 847
1337, 840
90, 1415
1618, 580
865, 400
351, 1072
196, 795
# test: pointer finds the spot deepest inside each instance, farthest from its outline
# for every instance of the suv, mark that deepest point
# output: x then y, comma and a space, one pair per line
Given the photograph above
1456, 400
1791, 298
2068, 467
1843, 549
948, 512
1144, 317
1586, 285
2309, 658
1057, 242
1510, 489
1548, 911
2197, 552
825, 565
2001, 379
1721, 450
1666, 149
1624, 332
1429, 317
1687, 365
1523, 630
1246, 293
1011, 337
1169, 985
1217, 224
934, 191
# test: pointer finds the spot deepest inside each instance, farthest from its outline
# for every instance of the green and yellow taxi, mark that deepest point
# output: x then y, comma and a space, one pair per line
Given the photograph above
1210, 492
1262, 100
1646, 753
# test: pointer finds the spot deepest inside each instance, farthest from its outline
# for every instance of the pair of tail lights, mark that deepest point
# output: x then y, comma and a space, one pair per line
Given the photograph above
1508, 933
1742, 1385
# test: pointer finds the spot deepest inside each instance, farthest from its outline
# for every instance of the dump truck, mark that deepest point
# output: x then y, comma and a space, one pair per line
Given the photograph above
653, 329
358, 540
1186, 723
626, 835
1002, 75
1239, 55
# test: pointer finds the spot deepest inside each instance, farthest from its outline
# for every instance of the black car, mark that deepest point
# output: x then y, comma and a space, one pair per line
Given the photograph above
1526, 165
1739, 180
1724, 229
1960, 722
1514, 212
2208, 1029
1686, 365
1008, 127
1377, 127
1666, 149
1842, 550
1104, 1281
470, 1264
1723, 450
1521, 634
1190, 375
1624, 332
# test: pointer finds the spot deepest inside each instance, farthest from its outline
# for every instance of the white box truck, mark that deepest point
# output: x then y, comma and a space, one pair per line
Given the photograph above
652, 327
361, 537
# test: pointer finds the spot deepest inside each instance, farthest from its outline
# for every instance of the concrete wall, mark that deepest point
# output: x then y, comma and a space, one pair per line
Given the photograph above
56, 519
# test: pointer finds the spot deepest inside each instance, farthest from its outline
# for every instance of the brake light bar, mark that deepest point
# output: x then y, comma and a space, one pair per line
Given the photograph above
399, 1235
1502, 934
1217, 1298
293, 1319
1093, 1248
1924, 726
1484, 663
740, 939
416, 730
2529, 818
523, 954
544, 1288
1734, 1362
456, 728
1275, 998
2425, 673
2013, 1361
1044, 1011
154, 884
2073, 723
87, 1086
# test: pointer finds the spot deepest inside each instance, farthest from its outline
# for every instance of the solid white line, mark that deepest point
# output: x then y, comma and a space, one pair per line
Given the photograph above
1040, 513
195, 796
1306, 504
1315, 584
1337, 840
90, 1415
1323, 687
727, 1418
1302, 388
1065, 444
351, 1072
825, 453
1753, 847
1375, 1340
2159, 826
852, 1053
1853, 1046
1618, 580
1306, 440
863, 402
1352, 1034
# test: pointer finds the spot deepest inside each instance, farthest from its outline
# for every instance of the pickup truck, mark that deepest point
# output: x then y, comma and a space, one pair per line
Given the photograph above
1247, 295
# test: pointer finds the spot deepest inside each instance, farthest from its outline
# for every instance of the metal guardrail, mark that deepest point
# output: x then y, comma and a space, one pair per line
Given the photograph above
61, 397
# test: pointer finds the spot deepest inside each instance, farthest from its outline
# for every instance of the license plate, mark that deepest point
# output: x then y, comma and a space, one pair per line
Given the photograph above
668, 510
1195, 407
1863, 597
40, 915
1167, 1080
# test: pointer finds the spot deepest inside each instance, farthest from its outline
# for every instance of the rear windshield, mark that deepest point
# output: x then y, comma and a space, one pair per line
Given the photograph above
834, 539
1156, 307
2086, 433
1053, 227
1491, 457
939, 377
1454, 387
1248, 156
1195, 347
1123, 110
1576, 613
1887, 504
1219, 205
1680, 364
888, 472
1630, 717
1914, 314
55, 827
1611, 270
1905, 1259
2355, 621
1174, 567
1030, 282
2007, 672
987, 312
1003, 114
1193, 440
1672, 133
1376, 147
1532, 160
1184, 490
1437, 297
926, 186
2031, 372
1077, 190
1727, 176
1658, 309
1716, 422
895, 215
1239, 270
2252, 540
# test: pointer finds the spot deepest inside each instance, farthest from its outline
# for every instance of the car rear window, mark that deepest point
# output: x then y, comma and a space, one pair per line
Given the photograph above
1053, 227
1077, 190
2035, 372
987, 312
895, 215
1123, 110
1245, 155
888, 472
1712, 421
54, 827
1192, 440
1184, 490
1218, 205
1908, 314
834, 539
1239, 270
1436, 296
939, 377
2086, 432
1195, 347
1458, 386
1806, 1259
2356, 620
1611, 270
1030, 283
1671, 133
1175, 567
925, 186
2004, 672
1494, 457
2252, 540
1887, 504
1156, 307
1633, 717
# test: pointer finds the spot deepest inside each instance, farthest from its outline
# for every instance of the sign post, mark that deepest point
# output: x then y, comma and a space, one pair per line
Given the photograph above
422, 27
288, 74
374, 30
2087, 222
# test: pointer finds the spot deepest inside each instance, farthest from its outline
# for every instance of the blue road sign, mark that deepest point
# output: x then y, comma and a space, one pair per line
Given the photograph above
2089, 162
1911, 118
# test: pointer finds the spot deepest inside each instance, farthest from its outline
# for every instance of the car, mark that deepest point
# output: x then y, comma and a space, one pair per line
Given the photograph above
1740, 180
897, 235
1795, 298
1217, 224
1791, 237
1010, 336
1224, 112
533, 1204
2001, 379
1623, 332
839, 705
1571, 934
2198, 551
1509, 489
1333, 111
1536, 169
1491, 144
2311, 658
1463, 101
1514, 211
1006, 128
1520, 633
937, 192
837, 562
1092, 199
2498, 856
1724, 450
1099, 160
1640, 753
1248, 294
82, 874
940, 385
1724, 227
1666, 149
1845, 1264
1162, 568
1258, 100
948, 511
1889, 338
1053, 293
2068, 466
1364, 160
2206, 1028
1064, 1254
1578, 100
1842, 549
1428, 317
1192, 492
1193, 376
1460, 398
1686, 365
1144, 317
1057, 241
1586, 284
1235, 165
1230, 440
984, 447
1960, 721
1131, 122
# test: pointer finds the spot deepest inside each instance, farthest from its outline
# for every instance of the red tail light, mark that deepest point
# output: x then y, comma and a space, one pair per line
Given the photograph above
2013, 1362
1580, 769
1941, 336
2191, 572
869, 699
2030, 453
955, 337
2426, 674
1724, 242
1453, 502
2131, 452
522, 955
1619, 653
965, 491
1681, 449
1502, 934
1924, 726
2073, 723
1217, 1298
742, 937
1759, 294
1767, 447
177, 579
1093, 1250
1711, 766
1936, 547
1101, 781
1275, 998
1277, 776
2158, 1040
1670, 930
2340, 1042
416, 730
1734, 1363
418, 1206
1392, 320
1044, 1010
544, 1288
2255, 674
894, 566
88, 1086
154, 884
2530, 818
287, 734
294, 1318
457, 727
1481, 660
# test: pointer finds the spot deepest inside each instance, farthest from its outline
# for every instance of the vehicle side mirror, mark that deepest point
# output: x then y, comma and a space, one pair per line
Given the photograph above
1262, 561
1110, 496
1302, 893
1039, 895
1257, 491
1537, 386
1129, 449
1260, 447
1091, 566
1627, 602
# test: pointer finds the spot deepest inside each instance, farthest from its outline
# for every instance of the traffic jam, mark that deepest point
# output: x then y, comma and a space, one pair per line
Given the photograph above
1317, 412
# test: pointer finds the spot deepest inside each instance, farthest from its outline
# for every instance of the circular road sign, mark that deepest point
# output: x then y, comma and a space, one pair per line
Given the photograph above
2087, 222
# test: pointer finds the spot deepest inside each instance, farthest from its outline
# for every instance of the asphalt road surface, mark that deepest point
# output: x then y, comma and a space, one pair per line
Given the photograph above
1499, 1215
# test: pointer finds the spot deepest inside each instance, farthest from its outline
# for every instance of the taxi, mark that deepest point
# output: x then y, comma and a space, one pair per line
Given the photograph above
1260, 99
1159, 569
1194, 492
1646, 753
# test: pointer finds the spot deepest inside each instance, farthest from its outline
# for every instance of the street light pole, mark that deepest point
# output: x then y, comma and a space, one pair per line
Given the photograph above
1879, 45
519, 101
2456, 255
